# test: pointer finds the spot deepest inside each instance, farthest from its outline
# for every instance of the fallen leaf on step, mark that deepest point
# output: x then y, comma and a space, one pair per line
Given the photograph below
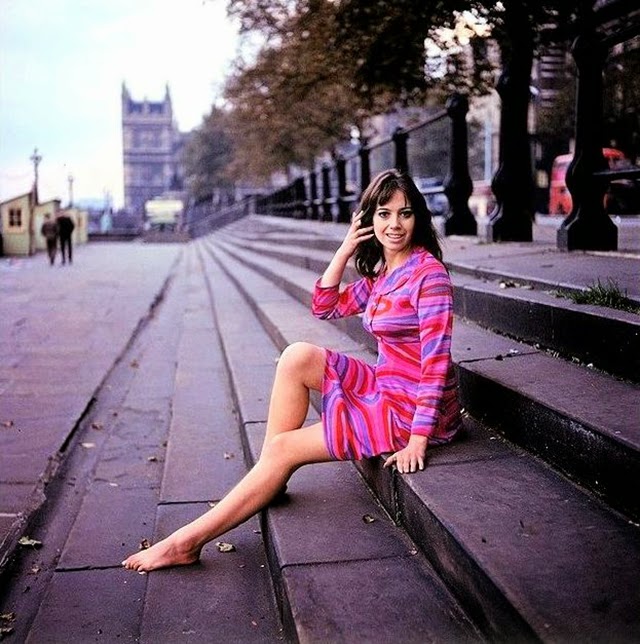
7, 423
28, 542
225, 547
145, 544
367, 518
97, 425
228, 455
88, 445
152, 459
134, 364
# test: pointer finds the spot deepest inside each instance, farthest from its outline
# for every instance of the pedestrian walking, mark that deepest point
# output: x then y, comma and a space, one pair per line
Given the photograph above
49, 231
65, 230
405, 402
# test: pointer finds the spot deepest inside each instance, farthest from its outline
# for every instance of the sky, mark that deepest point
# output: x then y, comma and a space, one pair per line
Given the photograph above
62, 65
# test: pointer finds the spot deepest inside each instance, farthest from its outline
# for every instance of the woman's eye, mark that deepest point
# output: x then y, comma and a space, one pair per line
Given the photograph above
407, 214
383, 214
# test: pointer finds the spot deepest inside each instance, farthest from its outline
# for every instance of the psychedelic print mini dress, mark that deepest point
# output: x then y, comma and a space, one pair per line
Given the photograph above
367, 409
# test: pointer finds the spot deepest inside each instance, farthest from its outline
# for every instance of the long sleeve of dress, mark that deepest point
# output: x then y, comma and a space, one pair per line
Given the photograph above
434, 303
329, 302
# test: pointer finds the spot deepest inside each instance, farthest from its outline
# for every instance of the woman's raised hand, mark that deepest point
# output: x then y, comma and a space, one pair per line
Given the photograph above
355, 235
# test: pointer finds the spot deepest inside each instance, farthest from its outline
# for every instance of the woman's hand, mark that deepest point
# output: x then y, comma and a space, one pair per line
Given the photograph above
355, 235
412, 457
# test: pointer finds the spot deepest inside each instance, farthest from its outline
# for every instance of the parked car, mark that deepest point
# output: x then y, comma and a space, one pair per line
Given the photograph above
622, 196
433, 191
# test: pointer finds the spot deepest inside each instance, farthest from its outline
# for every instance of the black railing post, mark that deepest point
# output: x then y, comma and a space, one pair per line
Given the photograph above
512, 218
300, 196
313, 185
327, 210
588, 227
343, 201
400, 142
365, 167
458, 185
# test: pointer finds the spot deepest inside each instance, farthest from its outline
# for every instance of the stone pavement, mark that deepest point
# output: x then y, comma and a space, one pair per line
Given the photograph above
62, 330
97, 361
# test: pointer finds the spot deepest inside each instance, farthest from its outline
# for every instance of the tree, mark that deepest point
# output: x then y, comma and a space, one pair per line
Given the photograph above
293, 101
207, 155
325, 65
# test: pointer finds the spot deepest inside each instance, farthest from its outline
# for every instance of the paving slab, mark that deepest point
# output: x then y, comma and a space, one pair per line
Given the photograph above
543, 266
393, 600
90, 606
111, 520
203, 438
226, 597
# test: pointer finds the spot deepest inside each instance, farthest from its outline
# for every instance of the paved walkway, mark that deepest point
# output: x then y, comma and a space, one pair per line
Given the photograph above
62, 330
113, 323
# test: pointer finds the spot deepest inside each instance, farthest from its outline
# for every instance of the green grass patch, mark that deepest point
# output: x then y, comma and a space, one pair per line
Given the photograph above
608, 294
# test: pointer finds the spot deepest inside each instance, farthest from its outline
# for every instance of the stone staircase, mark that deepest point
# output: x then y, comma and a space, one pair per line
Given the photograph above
526, 530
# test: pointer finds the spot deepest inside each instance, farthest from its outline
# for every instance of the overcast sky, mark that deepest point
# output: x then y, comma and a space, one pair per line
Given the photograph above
62, 64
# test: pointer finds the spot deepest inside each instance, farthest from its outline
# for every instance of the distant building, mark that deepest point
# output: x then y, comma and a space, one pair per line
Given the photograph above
151, 147
17, 224
21, 219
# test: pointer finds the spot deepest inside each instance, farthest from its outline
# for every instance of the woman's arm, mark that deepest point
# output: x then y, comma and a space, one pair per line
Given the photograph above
435, 315
328, 302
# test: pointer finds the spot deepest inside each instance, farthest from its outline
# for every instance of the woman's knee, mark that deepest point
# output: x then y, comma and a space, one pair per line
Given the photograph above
303, 359
287, 451
277, 453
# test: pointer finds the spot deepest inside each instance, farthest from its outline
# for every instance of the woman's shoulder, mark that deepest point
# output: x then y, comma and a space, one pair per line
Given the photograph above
427, 264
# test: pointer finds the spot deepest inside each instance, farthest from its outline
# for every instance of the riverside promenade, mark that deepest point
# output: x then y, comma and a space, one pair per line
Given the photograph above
133, 393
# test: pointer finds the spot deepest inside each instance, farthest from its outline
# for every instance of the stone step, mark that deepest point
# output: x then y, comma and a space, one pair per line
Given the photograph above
170, 449
328, 535
541, 266
527, 553
603, 338
590, 431
230, 594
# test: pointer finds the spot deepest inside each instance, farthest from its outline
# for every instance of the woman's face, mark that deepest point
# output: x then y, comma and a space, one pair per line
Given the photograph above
393, 224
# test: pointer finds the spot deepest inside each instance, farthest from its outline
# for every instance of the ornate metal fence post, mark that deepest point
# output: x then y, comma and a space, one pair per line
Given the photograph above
327, 211
365, 167
400, 142
588, 227
313, 185
343, 201
512, 219
458, 185
300, 198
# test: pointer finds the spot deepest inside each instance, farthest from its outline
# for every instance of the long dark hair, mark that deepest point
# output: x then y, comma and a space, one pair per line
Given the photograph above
369, 254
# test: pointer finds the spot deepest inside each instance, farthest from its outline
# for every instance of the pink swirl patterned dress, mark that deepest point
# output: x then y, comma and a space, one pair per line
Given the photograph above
368, 410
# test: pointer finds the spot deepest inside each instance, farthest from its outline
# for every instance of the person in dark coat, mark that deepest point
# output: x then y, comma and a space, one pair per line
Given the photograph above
49, 231
65, 229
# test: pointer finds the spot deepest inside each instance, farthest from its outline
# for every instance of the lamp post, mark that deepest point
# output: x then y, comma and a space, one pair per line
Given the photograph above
35, 159
70, 180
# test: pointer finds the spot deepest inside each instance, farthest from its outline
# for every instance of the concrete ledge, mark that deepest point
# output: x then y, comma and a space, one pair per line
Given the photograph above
607, 338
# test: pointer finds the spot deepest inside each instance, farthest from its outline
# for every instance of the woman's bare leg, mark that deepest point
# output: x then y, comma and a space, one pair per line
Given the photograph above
300, 368
281, 456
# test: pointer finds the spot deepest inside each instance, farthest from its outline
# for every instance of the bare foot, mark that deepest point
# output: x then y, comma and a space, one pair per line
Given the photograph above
171, 551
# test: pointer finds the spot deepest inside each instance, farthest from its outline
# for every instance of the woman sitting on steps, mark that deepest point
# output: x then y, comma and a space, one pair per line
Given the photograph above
407, 400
